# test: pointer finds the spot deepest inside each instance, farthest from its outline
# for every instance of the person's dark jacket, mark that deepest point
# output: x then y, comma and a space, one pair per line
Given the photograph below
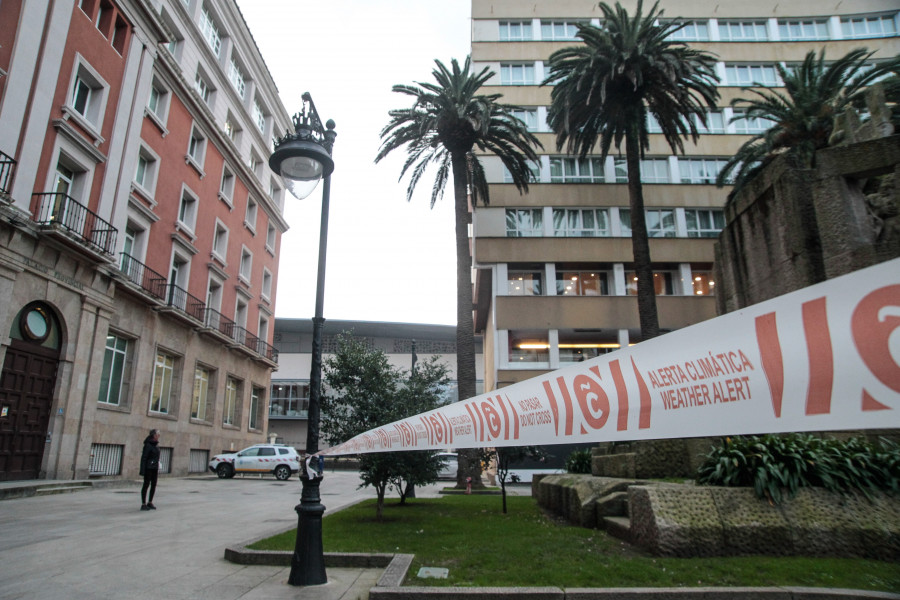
150, 456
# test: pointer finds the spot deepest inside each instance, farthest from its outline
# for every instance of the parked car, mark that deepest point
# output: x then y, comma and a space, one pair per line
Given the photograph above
451, 463
279, 460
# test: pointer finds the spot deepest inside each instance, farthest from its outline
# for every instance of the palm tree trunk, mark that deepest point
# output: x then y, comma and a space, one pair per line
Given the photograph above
640, 243
469, 465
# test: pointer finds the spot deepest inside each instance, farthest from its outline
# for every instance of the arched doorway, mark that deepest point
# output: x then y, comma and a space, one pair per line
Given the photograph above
26, 391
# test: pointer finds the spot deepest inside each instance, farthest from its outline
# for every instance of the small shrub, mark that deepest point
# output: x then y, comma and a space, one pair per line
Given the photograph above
579, 461
777, 466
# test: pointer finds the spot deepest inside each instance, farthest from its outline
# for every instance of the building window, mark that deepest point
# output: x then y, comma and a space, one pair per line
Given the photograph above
202, 87
226, 186
654, 170
256, 396
516, 74
116, 371
581, 222
660, 222
250, 215
196, 149
158, 102
200, 396
210, 32
577, 346
662, 283
259, 116
220, 242
715, 122
246, 264
528, 347
524, 282
524, 222
289, 399
270, 238
87, 99
581, 283
231, 128
230, 412
693, 31
809, 29
704, 223
702, 283
749, 126
529, 116
576, 170
163, 377
267, 284
746, 75
700, 170
236, 77
743, 31
558, 30
515, 31
869, 27
146, 171
187, 211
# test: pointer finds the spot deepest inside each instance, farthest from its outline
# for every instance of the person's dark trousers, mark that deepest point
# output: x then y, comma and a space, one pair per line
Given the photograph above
150, 476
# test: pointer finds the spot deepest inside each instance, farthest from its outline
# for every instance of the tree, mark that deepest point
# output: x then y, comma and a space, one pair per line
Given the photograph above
604, 90
507, 456
362, 385
447, 122
426, 388
364, 392
803, 116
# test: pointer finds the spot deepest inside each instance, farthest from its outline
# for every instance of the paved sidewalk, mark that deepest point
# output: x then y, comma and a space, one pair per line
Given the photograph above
98, 544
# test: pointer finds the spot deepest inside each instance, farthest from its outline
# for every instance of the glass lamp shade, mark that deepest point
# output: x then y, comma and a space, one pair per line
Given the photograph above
301, 163
301, 188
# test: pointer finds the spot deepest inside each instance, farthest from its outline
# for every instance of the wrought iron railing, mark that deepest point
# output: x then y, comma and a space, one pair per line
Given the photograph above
64, 211
266, 350
140, 274
178, 297
216, 320
7, 172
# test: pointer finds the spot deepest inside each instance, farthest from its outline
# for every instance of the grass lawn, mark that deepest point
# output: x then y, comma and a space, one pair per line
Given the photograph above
480, 546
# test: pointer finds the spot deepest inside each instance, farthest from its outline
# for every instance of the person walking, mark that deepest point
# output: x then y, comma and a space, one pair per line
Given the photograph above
150, 468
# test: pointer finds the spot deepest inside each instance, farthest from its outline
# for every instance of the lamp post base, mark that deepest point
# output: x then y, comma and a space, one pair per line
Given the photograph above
308, 562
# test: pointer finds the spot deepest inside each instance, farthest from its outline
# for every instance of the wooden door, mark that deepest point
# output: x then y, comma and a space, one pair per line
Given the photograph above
26, 395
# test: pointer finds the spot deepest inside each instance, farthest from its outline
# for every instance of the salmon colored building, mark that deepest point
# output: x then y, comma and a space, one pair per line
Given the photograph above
139, 235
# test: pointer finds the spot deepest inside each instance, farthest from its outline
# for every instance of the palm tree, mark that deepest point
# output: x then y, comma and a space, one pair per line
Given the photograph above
446, 123
604, 90
803, 116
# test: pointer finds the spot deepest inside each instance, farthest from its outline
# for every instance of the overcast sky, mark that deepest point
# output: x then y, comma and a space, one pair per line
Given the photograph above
388, 259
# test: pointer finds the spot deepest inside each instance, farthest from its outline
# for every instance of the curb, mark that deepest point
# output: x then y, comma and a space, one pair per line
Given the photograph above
396, 567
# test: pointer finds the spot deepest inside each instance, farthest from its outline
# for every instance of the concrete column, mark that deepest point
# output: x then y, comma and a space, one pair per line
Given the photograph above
686, 279
550, 284
618, 288
553, 339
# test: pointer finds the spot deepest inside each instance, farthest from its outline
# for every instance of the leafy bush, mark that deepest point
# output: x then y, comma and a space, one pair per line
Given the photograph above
579, 461
777, 466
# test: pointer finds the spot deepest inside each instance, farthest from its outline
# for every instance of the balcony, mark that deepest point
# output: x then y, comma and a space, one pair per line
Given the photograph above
176, 301
178, 298
149, 281
7, 174
76, 222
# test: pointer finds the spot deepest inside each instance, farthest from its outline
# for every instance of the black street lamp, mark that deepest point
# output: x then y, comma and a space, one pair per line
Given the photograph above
302, 158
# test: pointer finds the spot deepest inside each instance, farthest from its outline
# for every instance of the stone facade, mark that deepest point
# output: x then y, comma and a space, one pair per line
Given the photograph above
793, 227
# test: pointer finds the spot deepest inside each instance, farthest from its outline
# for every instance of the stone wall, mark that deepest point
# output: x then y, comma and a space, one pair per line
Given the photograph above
674, 520
683, 520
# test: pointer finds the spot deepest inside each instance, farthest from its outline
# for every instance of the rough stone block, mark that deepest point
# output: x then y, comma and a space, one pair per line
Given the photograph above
675, 521
751, 525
